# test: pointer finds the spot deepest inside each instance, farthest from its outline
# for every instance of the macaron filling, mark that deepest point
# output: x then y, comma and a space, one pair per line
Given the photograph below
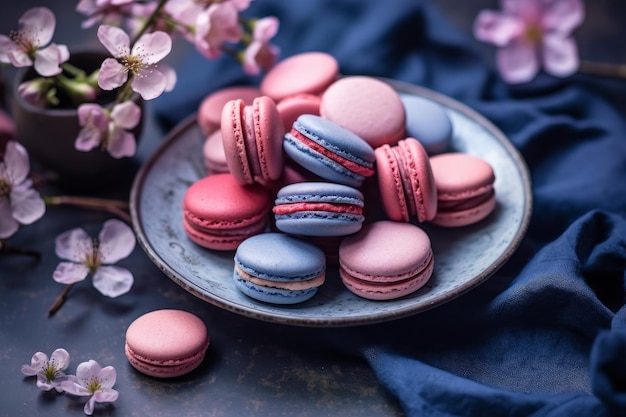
291, 208
294, 285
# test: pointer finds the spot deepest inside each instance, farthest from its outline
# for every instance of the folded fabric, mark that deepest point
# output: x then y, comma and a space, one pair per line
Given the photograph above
548, 340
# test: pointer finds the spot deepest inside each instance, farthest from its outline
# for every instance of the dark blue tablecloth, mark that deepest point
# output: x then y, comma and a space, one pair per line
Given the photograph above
546, 336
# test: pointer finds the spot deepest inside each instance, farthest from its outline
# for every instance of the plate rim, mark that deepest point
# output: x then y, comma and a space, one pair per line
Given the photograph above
401, 86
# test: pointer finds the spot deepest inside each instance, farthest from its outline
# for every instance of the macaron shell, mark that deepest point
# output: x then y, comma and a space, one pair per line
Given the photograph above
210, 109
467, 216
290, 108
280, 257
459, 176
428, 122
390, 184
368, 107
234, 140
214, 156
269, 133
424, 190
308, 72
166, 343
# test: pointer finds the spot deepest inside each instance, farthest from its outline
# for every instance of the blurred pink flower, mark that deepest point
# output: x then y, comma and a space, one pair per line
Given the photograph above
532, 34
110, 12
30, 45
86, 255
49, 372
108, 129
19, 202
140, 62
261, 54
216, 26
92, 381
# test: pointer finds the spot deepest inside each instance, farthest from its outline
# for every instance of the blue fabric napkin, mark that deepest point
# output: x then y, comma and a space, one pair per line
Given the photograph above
546, 336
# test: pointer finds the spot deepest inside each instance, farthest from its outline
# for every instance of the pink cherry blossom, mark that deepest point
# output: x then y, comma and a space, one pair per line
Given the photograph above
86, 255
532, 34
140, 62
261, 54
110, 12
108, 129
216, 26
92, 381
30, 45
19, 202
49, 372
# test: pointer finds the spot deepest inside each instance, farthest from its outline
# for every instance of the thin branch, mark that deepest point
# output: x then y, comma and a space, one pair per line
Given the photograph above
58, 302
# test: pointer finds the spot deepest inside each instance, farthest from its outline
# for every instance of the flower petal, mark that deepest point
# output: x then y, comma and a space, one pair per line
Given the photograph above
496, 28
121, 144
89, 406
560, 56
43, 383
47, 61
6, 44
60, 358
517, 62
16, 162
117, 241
70, 273
152, 47
563, 16
107, 377
126, 115
40, 23
106, 395
74, 245
8, 225
170, 76
87, 371
37, 362
149, 83
111, 75
27, 204
115, 40
113, 281
74, 387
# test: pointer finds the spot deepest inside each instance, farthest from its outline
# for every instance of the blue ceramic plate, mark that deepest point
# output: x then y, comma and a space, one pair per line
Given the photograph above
464, 257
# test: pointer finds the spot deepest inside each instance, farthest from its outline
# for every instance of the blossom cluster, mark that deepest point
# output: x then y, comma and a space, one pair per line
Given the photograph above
138, 34
91, 380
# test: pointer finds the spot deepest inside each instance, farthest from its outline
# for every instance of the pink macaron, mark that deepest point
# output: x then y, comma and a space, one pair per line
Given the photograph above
210, 109
291, 107
213, 152
465, 191
386, 260
304, 73
219, 212
253, 140
166, 343
369, 107
406, 182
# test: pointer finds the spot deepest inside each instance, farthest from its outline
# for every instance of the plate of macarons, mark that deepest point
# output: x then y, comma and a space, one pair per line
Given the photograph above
325, 200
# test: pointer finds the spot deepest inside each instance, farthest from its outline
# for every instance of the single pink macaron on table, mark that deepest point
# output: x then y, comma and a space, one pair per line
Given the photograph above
166, 343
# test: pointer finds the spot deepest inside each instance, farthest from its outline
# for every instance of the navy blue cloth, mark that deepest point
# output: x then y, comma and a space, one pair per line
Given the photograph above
546, 336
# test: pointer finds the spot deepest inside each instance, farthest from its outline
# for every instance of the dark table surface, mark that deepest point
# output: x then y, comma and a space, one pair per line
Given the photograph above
252, 367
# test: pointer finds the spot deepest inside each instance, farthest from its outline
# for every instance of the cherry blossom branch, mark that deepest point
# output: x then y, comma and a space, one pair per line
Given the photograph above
149, 22
119, 208
59, 300
603, 69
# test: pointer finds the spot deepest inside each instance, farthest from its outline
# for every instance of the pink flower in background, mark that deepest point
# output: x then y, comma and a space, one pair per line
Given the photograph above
49, 372
86, 255
110, 12
30, 46
19, 202
140, 62
108, 129
93, 381
217, 25
532, 34
261, 54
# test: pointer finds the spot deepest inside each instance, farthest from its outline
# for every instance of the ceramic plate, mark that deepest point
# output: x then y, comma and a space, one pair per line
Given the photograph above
464, 257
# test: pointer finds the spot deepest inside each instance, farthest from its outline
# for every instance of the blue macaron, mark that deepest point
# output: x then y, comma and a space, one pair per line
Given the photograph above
428, 122
319, 209
329, 150
278, 268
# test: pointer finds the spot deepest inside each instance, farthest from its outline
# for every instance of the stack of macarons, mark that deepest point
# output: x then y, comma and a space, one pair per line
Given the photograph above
333, 162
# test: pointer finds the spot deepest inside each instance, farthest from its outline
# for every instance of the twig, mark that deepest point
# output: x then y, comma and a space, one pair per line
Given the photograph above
603, 69
117, 207
58, 302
